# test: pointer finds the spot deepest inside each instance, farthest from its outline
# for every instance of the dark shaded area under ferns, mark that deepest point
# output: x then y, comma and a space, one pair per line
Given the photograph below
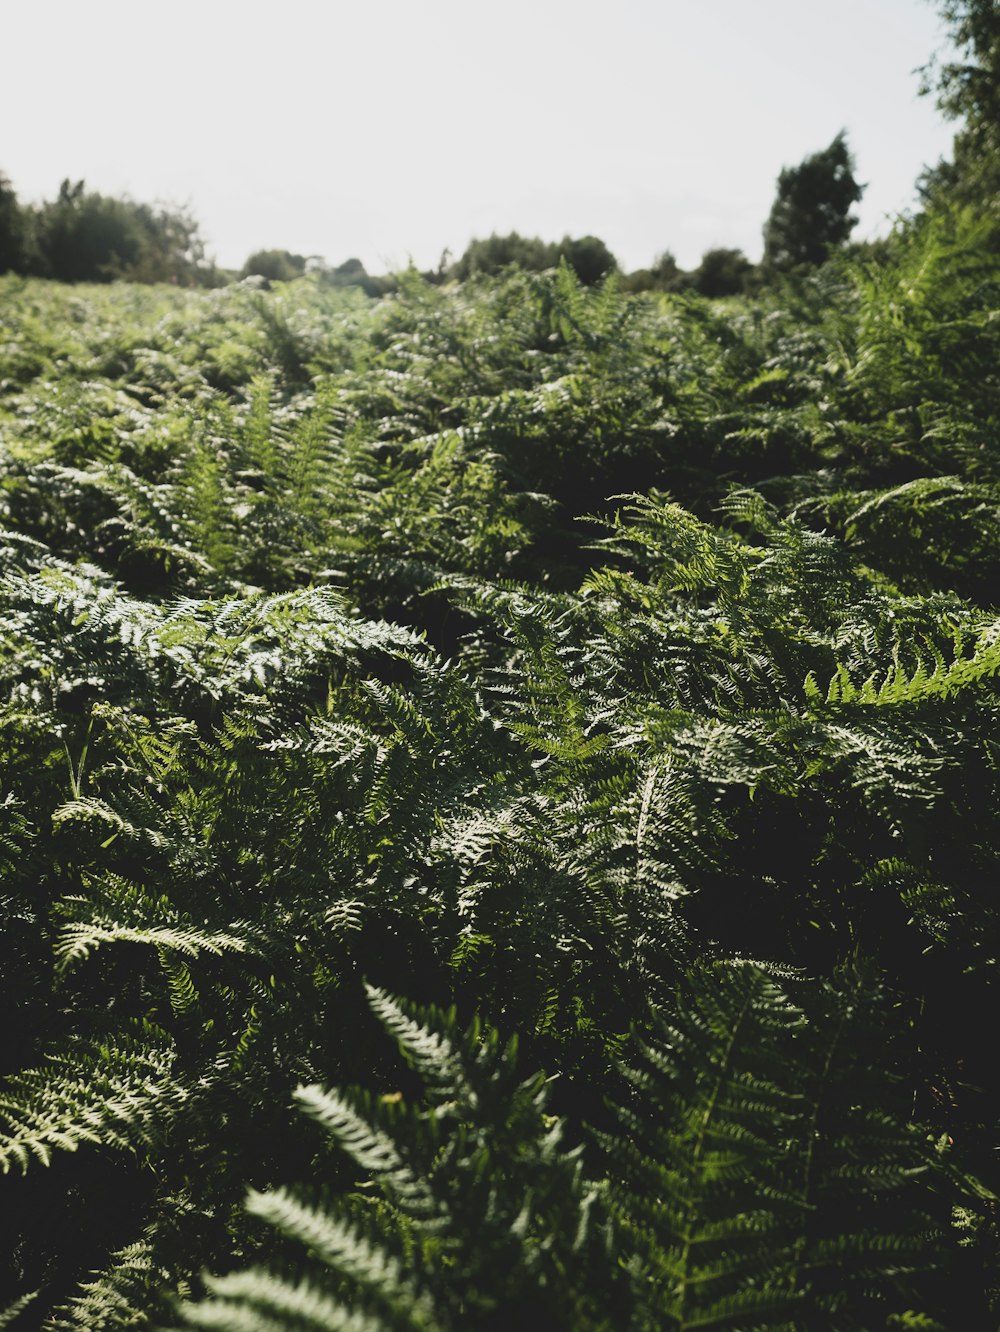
617, 673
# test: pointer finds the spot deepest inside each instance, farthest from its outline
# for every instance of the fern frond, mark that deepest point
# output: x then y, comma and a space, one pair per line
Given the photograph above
115, 1298
370, 1148
431, 1052
258, 1302
78, 940
342, 1246
14, 1310
120, 1092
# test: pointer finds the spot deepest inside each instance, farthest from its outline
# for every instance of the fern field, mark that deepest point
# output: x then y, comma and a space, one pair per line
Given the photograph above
500, 811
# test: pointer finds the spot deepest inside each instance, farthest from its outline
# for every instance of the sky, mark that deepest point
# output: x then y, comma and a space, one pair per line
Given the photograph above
389, 130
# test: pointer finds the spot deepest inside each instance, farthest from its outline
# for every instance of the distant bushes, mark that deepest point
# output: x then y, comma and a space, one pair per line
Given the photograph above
83, 236
275, 265
13, 232
722, 272
588, 256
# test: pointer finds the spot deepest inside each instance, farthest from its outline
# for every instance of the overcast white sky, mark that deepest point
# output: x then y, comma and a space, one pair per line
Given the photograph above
394, 128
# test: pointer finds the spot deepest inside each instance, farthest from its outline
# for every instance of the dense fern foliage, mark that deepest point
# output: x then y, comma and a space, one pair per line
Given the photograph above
613, 679
484, 1215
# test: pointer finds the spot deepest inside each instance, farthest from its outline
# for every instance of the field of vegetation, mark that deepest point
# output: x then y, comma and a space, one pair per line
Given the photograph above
507, 774
500, 802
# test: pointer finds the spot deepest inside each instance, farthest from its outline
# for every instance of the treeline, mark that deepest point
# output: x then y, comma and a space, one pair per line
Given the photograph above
811, 218
83, 236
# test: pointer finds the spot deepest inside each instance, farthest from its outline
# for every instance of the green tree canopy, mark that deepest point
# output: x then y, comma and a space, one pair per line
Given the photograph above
665, 271
499, 252
812, 214
13, 232
664, 274
967, 88
588, 256
83, 236
722, 272
276, 265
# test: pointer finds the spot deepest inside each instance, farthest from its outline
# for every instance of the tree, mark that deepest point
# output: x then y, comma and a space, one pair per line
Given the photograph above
276, 265
663, 275
498, 252
172, 248
83, 236
589, 258
812, 214
968, 89
665, 272
13, 231
721, 272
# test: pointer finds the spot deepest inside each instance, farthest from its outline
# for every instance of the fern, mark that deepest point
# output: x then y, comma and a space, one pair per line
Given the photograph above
747, 1183
120, 1092
110, 1299
311, 669
478, 1187
13, 1311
